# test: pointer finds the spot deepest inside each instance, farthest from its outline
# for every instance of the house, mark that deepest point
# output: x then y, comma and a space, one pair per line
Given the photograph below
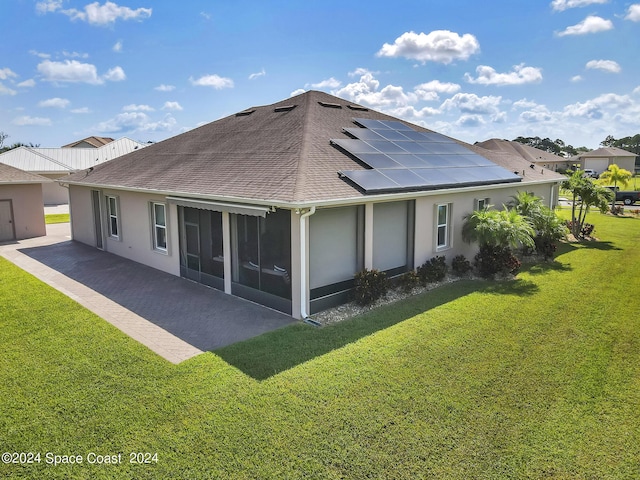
282, 204
600, 159
533, 155
21, 207
55, 163
89, 142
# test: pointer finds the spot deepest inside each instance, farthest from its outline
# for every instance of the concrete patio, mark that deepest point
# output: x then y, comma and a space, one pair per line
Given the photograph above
174, 317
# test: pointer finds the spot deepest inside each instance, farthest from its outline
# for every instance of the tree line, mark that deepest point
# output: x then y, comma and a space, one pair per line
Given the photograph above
559, 147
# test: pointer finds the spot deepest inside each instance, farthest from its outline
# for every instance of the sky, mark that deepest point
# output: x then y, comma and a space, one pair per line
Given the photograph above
150, 70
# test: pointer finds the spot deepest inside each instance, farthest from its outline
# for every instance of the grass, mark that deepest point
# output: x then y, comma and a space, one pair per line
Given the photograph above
534, 378
56, 218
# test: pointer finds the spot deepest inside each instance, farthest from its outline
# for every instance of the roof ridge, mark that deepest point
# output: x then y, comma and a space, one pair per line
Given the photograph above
300, 182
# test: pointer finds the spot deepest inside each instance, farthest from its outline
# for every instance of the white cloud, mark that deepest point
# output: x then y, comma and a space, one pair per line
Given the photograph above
259, 74
473, 104
214, 81
205, 15
519, 76
440, 46
536, 114
165, 88
591, 24
172, 106
56, 102
365, 91
109, 13
27, 83
576, 78
430, 91
74, 54
6, 90
81, 110
328, 83
596, 108
633, 13
6, 73
117, 47
561, 5
604, 65
137, 108
39, 54
136, 122
69, 71
470, 121
299, 91
411, 113
524, 103
48, 6
25, 121
73, 71
115, 74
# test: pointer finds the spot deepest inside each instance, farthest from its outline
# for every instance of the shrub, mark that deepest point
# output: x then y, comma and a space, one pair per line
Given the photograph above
586, 231
370, 286
433, 270
409, 281
545, 246
460, 265
617, 210
492, 260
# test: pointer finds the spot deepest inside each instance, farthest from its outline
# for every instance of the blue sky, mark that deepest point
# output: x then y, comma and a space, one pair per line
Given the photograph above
149, 70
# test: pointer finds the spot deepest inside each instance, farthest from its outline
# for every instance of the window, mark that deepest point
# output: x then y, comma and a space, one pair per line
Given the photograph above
159, 214
114, 221
442, 226
481, 203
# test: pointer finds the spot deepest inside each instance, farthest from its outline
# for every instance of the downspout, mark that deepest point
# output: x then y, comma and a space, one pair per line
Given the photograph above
303, 266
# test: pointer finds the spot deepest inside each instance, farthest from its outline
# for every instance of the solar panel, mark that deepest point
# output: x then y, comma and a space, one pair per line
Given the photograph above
400, 158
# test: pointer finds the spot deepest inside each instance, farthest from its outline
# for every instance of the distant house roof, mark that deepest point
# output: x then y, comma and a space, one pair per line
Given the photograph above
606, 152
280, 153
11, 175
66, 160
90, 142
528, 153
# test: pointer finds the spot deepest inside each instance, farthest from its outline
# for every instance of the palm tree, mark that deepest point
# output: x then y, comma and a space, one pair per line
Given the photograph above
616, 175
585, 195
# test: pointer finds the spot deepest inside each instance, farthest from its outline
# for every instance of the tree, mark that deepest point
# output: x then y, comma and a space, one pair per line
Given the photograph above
3, 137
616, 175
585, 194
630, 144
497, 232
548, 227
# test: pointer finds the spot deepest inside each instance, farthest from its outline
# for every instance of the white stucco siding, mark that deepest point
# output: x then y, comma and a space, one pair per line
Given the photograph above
460, 205
135, 226
27, 208
135, 232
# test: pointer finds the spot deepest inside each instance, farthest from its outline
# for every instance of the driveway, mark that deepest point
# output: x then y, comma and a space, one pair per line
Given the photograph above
173, 316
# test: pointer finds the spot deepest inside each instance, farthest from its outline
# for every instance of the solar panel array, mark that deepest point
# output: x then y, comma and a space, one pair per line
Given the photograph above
400, 158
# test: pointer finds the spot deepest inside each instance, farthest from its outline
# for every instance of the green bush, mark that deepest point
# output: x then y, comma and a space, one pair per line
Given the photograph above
409, 281
460, 265
370, 286
433, 270
493, 259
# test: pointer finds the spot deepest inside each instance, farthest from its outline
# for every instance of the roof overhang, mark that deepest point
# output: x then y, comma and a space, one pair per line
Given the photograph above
253, 210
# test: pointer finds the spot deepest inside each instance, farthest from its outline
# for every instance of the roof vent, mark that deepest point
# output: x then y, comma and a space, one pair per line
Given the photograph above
284, 108
358, 107
245, 113
330, 105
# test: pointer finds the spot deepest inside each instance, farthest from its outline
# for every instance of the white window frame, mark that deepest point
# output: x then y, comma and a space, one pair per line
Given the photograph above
155, 226
446, 226
482, 203
111, 216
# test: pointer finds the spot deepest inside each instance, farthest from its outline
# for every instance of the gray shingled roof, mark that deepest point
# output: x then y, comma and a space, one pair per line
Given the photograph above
14, 175
267, 153
528, 153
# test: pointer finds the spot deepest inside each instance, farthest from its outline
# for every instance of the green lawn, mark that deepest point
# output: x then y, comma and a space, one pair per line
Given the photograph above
534, 378
56, 218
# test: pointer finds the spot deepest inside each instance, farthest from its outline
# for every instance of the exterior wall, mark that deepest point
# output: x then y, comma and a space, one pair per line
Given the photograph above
463, 204
135, 240
601, 164
54, 193
28, 210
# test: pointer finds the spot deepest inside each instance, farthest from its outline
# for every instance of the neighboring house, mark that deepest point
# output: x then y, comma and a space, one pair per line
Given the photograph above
55, 163
90, 142
21, 206
530, 154
282, 204
600, 159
